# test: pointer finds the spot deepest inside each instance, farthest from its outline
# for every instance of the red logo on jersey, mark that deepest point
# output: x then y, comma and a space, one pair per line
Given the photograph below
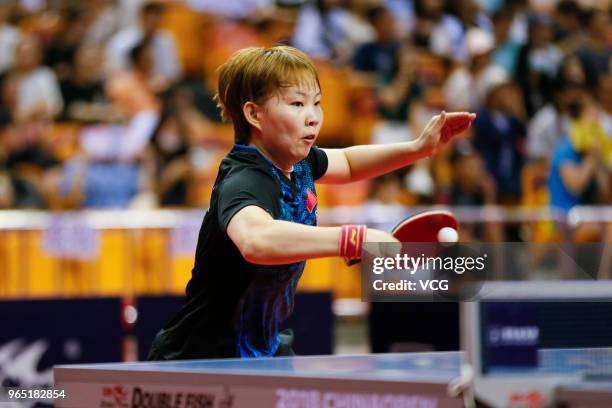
311, 200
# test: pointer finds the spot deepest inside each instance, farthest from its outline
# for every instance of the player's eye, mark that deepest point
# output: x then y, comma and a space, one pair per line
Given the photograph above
317, 103
296, 103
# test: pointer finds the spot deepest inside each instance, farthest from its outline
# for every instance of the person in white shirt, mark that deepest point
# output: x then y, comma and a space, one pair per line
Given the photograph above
165, 54
552, 122
37, 92
9, 38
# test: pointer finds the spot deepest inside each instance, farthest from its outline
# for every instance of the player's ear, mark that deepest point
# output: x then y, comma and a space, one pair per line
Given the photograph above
252, 114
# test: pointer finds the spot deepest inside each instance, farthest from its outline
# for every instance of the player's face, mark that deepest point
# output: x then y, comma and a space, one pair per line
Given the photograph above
290, 123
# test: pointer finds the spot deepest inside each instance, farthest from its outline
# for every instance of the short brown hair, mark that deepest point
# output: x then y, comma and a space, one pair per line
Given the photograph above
254, 73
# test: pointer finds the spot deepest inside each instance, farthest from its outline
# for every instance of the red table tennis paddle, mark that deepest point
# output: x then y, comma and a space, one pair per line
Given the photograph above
428, 226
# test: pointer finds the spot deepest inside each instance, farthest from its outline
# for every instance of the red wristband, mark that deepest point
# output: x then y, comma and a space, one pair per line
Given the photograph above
351, 241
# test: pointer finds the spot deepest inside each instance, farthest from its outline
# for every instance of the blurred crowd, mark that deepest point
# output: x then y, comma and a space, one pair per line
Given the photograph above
108, 103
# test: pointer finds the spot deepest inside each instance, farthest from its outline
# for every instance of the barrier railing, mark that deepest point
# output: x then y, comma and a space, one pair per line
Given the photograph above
104, 253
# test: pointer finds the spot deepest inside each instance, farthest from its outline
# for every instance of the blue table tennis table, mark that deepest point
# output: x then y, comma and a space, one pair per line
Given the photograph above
417, 380
404, 380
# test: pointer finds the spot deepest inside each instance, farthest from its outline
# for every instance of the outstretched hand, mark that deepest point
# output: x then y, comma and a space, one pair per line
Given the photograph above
442, 128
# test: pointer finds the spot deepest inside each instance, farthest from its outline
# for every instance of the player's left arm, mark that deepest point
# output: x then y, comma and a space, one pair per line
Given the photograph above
368, 161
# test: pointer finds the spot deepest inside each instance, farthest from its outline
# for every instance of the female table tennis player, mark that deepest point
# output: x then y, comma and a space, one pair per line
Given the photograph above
261, 224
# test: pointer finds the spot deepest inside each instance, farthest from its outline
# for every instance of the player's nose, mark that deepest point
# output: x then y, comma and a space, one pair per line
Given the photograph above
312, 118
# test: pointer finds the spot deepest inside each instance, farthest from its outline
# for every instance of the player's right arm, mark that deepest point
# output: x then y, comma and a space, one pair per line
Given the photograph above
266, 241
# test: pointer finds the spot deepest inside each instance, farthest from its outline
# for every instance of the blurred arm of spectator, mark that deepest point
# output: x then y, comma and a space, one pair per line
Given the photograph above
145, 195
6, 190
176, 171
71, 184
578, 176
129, 95
604, 184
133, 95
604, 99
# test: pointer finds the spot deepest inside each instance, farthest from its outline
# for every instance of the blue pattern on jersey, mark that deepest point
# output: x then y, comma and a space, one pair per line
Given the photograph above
268, 300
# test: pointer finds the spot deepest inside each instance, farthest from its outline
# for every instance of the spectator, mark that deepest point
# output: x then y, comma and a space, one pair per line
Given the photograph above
358, 29
165, 56
472, 185
520, 27
134, 89
83, 91
403, 10
384, 201
61, 50
6, 186
9, 38
580, 171
569, 34
37, 93
234, 10
538, 63
399, 92
603, 94
470, 15
571, 69
100, 176
133, 94
102, 21
552, 122
90, 183
463, 88
391, 69
379, 57
437, 31
499, 135
27, 161
321, 29
178, 143
596, 54
507, 49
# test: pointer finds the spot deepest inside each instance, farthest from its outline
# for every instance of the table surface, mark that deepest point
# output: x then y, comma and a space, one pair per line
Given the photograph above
398, 375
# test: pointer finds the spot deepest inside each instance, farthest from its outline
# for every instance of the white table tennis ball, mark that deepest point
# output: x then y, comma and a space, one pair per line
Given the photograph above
448, 235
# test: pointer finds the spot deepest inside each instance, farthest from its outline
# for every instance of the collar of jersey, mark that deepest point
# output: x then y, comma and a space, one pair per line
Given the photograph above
241, 146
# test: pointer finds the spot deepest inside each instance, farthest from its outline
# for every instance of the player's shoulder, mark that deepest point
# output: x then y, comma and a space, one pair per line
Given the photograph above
244, 175
244, 161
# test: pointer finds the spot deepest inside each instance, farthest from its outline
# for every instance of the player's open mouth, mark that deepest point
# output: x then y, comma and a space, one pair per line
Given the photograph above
310, 138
